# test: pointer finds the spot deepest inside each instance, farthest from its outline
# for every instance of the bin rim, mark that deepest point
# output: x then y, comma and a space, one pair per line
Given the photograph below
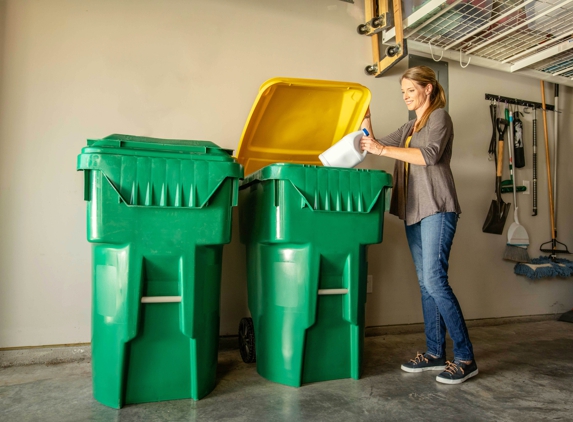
278, 171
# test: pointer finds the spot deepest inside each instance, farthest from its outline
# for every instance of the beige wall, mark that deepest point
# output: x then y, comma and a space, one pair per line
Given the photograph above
191, 69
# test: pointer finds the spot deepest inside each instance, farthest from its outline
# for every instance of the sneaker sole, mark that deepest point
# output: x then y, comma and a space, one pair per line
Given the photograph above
427, 368
458, 381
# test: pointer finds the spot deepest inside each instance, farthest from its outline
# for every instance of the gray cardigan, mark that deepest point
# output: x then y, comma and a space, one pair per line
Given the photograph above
431, 188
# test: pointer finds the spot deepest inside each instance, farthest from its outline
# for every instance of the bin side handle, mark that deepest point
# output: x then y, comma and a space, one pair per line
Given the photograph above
161, 299
388, 197
324, 292
235, 193
87, 180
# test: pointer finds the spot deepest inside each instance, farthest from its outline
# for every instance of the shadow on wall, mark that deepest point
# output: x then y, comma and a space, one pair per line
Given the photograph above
2, 37
3, 244
233, 282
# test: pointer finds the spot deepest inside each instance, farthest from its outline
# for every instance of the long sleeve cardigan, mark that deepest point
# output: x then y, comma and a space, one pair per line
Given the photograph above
431, 188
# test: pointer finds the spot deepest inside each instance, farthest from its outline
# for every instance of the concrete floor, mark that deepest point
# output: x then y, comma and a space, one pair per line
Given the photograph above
526, 374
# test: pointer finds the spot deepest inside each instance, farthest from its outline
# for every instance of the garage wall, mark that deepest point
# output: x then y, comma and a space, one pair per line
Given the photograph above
71, 70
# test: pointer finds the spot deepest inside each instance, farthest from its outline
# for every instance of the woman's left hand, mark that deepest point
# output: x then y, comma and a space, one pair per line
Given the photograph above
367, 143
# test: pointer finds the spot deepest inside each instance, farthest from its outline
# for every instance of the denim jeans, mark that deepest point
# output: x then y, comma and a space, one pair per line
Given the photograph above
430, 242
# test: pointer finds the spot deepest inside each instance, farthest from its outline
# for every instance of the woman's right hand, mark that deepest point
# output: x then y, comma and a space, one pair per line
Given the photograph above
367, 143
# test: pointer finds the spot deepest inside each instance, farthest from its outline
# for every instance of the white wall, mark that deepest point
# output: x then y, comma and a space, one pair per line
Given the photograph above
71, 70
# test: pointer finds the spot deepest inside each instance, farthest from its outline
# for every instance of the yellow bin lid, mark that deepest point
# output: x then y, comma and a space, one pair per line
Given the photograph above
296, 120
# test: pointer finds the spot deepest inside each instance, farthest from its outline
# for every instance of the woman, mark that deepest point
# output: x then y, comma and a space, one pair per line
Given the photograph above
424, 196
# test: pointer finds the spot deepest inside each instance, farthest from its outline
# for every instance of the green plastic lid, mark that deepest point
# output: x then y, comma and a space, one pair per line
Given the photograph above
141, 145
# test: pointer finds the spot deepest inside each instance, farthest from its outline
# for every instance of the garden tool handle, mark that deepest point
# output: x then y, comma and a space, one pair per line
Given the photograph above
547, 162
535, 163
511, 154
491, 151
499, 158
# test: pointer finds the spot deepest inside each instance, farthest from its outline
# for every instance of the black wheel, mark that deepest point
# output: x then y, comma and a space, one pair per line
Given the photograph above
371, 69
362, 29
392, 50
247, 340
377, 22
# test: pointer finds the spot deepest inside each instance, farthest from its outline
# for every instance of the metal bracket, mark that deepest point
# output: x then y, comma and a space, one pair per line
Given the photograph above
393, 53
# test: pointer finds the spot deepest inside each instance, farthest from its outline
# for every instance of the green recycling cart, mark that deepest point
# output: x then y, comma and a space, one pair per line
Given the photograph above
306, 229
159, 212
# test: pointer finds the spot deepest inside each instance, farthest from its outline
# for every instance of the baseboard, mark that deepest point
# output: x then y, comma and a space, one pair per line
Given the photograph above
47, 355
484, 322
66, 353
53, 355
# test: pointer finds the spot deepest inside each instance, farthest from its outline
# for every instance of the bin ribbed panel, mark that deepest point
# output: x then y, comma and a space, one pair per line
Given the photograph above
339, 191
322, 189
161, 182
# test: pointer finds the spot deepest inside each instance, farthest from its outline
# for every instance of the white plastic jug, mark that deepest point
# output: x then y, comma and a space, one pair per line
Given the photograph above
346, 152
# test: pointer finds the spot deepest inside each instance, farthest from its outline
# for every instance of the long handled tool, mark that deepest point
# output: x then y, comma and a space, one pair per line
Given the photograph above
517, 237
519, 156
508, 186
555, 140
492, 152
498, 210
534, 162
554, 249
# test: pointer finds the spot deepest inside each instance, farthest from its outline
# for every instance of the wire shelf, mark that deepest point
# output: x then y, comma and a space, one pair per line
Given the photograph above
561, 64
522, 33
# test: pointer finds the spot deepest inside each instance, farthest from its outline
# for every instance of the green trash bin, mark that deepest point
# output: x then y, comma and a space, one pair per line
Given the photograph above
159, 212
306, 229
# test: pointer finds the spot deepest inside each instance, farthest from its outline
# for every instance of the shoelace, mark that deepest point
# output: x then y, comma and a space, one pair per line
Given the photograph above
419, 358
452, 368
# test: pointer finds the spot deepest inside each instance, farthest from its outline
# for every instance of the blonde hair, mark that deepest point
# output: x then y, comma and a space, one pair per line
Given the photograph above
424, 76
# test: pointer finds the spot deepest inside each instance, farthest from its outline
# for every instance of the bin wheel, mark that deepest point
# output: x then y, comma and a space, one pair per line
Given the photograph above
362, 29
247, 340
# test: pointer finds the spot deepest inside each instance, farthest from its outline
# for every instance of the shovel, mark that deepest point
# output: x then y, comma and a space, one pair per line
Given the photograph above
498, 210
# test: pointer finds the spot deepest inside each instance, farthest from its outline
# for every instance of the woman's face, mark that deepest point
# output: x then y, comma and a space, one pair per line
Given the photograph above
414, 95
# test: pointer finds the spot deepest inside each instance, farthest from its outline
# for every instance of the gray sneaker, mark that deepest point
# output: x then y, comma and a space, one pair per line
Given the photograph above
424, 362
457, 372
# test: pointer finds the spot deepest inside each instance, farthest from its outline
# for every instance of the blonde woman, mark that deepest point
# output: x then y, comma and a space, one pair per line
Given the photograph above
424, 196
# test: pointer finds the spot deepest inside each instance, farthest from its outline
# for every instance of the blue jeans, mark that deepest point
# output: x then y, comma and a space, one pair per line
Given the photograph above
430, 242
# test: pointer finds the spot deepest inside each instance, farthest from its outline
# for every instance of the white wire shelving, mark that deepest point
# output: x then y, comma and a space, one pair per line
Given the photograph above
530, 37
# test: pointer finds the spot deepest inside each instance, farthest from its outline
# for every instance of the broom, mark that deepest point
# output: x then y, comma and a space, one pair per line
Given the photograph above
547, 266
517, 237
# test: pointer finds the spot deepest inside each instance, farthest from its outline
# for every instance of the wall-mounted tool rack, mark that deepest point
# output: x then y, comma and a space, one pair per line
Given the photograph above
516, 101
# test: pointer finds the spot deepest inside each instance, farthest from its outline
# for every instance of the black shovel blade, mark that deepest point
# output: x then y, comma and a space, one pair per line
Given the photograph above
496, 216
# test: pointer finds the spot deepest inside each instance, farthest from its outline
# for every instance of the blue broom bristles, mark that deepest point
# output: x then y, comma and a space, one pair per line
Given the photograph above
558, 268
